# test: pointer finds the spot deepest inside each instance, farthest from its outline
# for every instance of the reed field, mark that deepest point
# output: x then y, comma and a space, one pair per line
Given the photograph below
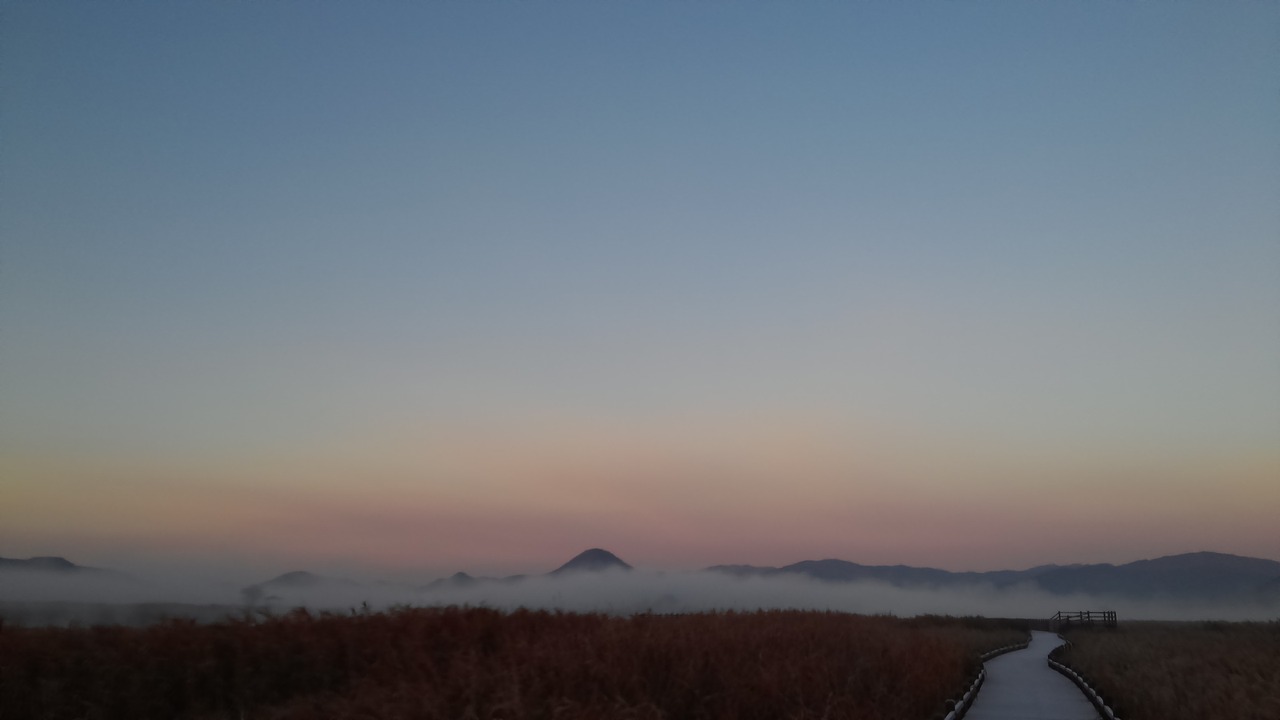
1182, 671
480, 663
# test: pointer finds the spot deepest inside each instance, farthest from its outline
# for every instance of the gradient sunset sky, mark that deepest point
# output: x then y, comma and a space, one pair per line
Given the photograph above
421, 287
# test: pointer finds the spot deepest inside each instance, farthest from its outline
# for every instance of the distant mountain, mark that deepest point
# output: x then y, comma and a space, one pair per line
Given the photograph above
1198, 576
588, 561
1191, 581
44, 564
593, 560
843, 571
292, 582
1201, 575
456, 580
59, 567
296, 579
900, 575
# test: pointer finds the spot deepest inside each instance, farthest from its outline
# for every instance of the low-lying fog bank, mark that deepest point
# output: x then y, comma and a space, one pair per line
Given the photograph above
33, 599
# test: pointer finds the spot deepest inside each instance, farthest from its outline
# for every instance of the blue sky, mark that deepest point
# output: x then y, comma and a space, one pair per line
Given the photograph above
239, 231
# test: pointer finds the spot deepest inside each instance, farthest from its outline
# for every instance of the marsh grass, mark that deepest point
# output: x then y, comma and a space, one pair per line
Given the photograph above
479, 663
1182, 671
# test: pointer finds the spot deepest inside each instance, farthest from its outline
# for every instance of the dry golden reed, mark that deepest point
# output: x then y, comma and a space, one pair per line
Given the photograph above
1182, 671
478, 663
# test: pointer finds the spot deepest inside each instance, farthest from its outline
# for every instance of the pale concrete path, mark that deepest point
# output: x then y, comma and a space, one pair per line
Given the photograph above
1021, 686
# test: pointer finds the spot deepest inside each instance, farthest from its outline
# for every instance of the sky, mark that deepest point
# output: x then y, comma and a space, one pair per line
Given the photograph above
411, 288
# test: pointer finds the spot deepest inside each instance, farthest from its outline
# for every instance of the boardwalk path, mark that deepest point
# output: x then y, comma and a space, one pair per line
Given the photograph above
1020, 686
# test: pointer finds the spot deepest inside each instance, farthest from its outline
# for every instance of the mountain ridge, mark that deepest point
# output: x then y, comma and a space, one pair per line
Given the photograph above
1203, 575
55, 565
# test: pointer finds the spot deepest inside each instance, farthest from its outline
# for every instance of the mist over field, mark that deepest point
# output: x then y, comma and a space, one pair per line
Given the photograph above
618, 592
638, 591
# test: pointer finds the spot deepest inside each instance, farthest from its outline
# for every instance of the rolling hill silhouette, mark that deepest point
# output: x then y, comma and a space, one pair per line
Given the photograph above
59, 567
593, 560
1206, 576
1198, 576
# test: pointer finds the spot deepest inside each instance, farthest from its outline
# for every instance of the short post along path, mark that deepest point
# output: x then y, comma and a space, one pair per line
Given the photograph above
1021, 686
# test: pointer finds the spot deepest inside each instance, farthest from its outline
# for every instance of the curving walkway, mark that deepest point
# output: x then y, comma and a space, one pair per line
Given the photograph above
1021, 686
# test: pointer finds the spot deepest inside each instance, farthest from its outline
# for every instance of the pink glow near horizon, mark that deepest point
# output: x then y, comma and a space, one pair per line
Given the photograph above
665, 501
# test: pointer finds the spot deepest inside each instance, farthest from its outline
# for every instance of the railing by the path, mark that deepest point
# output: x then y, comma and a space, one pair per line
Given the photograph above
961, 706
1104, 710
1063, 620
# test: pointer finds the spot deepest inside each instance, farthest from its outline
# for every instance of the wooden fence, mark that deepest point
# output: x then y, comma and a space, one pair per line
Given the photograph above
1063, 620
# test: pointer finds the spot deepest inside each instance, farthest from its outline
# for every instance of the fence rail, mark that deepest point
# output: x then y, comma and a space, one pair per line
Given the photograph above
1063, 620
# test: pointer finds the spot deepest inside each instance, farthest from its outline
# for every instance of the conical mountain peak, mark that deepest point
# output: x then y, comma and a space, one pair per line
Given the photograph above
593, 560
